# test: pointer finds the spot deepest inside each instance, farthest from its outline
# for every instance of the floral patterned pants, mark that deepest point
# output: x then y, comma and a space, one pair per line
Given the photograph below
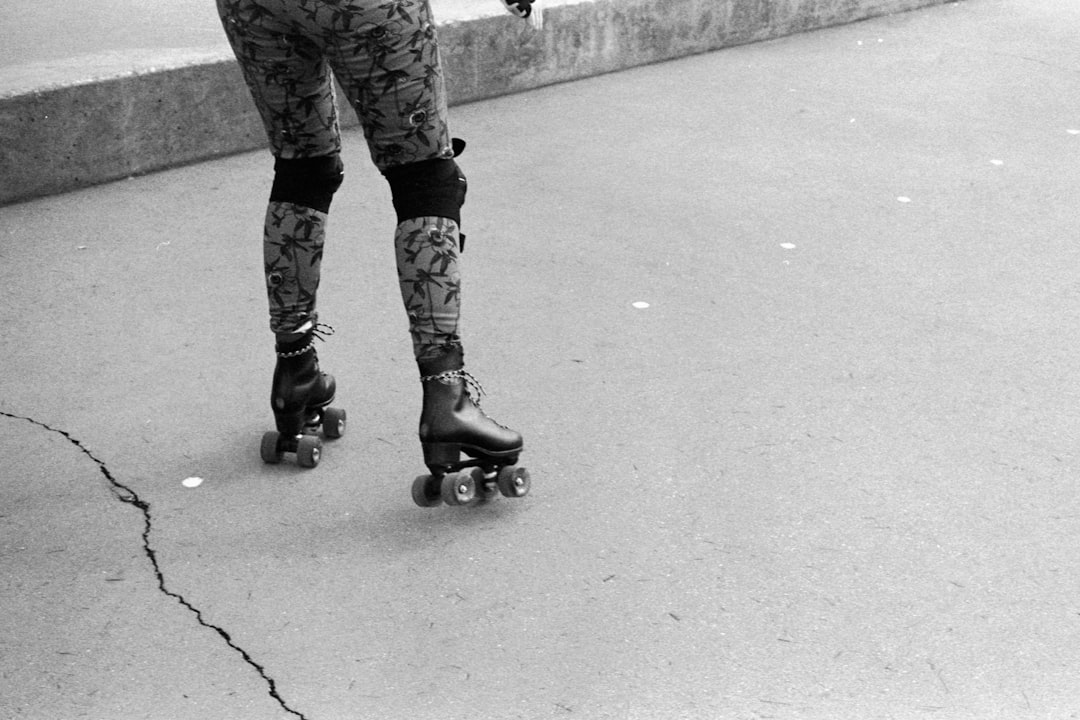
385, 56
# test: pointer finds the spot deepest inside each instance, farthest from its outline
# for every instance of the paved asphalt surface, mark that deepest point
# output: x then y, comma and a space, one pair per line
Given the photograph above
828, 471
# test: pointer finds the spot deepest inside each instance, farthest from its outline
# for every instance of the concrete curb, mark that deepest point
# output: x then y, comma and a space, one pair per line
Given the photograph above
58, 134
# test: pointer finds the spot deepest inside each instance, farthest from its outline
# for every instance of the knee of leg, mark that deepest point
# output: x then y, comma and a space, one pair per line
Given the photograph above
310, 182
427, 188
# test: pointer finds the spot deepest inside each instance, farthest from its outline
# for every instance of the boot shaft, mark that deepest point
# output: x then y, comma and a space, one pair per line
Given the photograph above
451, 419
298, 383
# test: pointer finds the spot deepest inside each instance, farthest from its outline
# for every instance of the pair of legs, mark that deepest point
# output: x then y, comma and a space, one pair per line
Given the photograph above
384, 54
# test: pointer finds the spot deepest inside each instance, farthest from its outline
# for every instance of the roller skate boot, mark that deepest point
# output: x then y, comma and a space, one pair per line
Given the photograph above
452, 425
300, 398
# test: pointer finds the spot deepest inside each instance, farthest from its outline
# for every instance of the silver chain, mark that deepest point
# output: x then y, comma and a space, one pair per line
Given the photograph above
472, 385
320, 331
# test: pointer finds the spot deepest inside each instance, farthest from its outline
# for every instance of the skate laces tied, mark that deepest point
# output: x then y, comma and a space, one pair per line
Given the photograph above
472, 385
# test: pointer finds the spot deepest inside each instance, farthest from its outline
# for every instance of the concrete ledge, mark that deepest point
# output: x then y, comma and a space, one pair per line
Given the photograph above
63, 128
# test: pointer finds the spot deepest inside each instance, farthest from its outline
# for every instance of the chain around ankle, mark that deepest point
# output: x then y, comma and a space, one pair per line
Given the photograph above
297, 353
472, 385
320, 331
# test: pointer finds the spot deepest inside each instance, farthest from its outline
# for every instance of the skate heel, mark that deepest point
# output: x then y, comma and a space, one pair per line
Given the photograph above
292, 422
300, 399
441, 455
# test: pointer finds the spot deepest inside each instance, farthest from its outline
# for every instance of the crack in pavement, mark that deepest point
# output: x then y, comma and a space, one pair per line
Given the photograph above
128, 496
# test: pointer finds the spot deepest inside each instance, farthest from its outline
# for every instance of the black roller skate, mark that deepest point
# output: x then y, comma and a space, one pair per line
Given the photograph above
300, 399
452, 425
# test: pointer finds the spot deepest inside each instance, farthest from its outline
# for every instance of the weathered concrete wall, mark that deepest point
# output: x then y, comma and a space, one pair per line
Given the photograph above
72, 136
80, 126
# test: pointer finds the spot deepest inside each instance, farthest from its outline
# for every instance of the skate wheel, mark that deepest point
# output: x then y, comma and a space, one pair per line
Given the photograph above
308, 451
333, 423
458, 489
514, 482
269, 449
425, 493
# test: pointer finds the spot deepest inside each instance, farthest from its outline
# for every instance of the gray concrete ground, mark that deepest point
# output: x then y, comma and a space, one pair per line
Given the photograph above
829, 471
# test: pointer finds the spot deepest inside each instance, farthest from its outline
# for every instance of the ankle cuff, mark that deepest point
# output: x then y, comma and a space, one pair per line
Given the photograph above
439, 359
282, 352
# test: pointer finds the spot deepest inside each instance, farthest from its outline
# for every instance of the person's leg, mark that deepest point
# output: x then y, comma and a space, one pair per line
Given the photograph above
292, 87
294, 235
391, 73
293, 91
427, 240
396, 87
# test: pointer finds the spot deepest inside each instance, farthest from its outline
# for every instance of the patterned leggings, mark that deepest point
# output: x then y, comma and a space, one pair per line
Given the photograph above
384, 54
